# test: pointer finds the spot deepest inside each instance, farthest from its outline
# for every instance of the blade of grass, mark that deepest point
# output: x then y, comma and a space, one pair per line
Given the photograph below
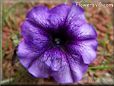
6, 81
102, 67
9, 11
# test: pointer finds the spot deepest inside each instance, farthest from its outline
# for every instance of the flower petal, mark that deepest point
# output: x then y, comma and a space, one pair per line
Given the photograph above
26, 54
34, 36
39, 15
30, 60
84, 32
75, 13
39, 69
63, 75
87, 50
54, 58
77, 67
58, 15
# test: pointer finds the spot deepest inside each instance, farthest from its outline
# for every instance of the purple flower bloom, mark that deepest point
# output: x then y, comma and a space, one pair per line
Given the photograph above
57, 42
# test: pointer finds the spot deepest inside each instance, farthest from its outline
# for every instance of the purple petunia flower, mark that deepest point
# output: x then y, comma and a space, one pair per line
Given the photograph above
57, 42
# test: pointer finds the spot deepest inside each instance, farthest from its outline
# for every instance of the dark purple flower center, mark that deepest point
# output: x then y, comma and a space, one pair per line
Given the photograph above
60, 37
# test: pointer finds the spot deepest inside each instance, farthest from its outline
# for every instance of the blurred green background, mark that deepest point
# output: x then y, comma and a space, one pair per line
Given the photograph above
13, 14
